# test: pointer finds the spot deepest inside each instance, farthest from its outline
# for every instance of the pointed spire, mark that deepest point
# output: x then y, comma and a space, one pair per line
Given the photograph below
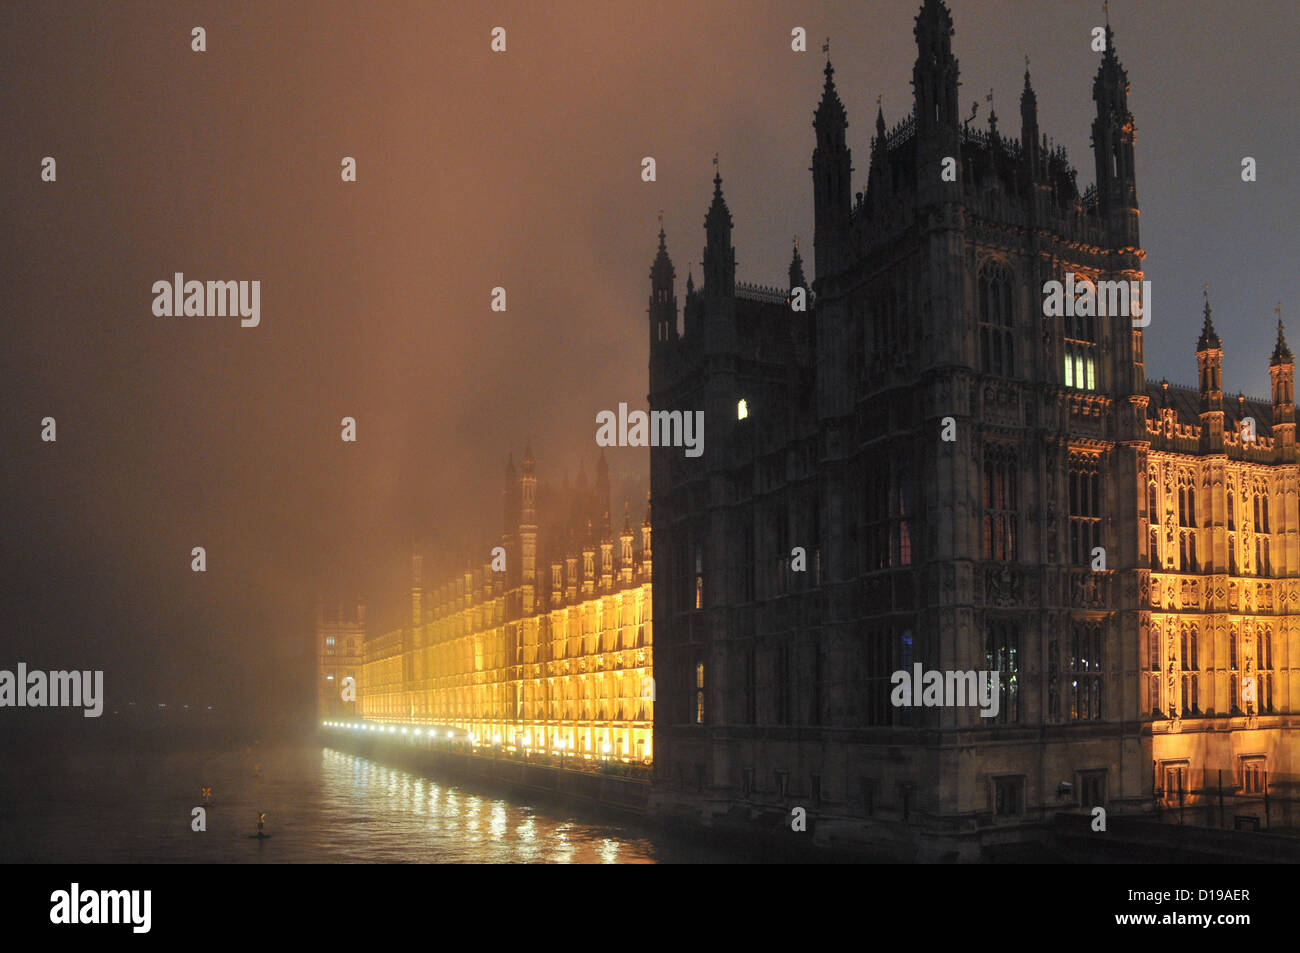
1029, 103
880, 120
690, 283
1029, 124
935, 17
719, 216
797, 279
627, 518
1281, 353
935, 73
1209, 339
1111, 72
719, 256
661, 271
830, 111
646, 521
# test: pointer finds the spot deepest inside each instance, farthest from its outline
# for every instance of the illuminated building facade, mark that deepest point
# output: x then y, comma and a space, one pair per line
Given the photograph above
930, 466
1223, 544
550, 651
339, 641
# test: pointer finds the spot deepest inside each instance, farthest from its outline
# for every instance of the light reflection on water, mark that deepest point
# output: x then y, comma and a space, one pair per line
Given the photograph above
426, 820
323, 806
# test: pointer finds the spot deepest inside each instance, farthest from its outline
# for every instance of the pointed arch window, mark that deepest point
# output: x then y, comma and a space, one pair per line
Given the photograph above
1234, 675
1002, 655
1085, 671
1081, 347
1265, 675
1190, 679
1186, 500
1263, 562
1153, 669
1260, 493
997, 320
902, 535
1001, 503
1085, 508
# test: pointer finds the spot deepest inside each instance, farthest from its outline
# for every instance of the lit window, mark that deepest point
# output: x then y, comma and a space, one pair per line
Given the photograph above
1081, 346
742, 409
699, 693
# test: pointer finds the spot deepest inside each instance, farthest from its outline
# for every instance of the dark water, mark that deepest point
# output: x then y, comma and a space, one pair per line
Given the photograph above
116, 803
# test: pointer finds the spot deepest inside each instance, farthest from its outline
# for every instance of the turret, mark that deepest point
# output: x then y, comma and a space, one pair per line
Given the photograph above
1209, 362
645, 539
1114, 134
607, 556
878, 184
832, 168
719, 256
571, 578
1281, 368
719, 275
625, 549
934, 77
692, 311
589, 563
1029, 126
557, 583
797, 279
663, 299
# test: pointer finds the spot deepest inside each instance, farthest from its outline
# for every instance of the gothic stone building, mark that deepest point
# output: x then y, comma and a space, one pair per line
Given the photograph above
555, 649
1119, 686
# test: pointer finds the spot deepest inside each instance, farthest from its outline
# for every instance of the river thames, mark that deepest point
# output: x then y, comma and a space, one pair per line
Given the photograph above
113, 803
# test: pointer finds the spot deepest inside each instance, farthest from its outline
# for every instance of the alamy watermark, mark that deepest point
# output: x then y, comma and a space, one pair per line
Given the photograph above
76, 906
26, 689
658, 428
1103, 299
181, 298
934, 689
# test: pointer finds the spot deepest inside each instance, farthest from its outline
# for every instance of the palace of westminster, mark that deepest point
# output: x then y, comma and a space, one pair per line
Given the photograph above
1131, 682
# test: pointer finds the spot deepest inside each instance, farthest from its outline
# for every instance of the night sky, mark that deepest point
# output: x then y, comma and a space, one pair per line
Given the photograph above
475, 170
